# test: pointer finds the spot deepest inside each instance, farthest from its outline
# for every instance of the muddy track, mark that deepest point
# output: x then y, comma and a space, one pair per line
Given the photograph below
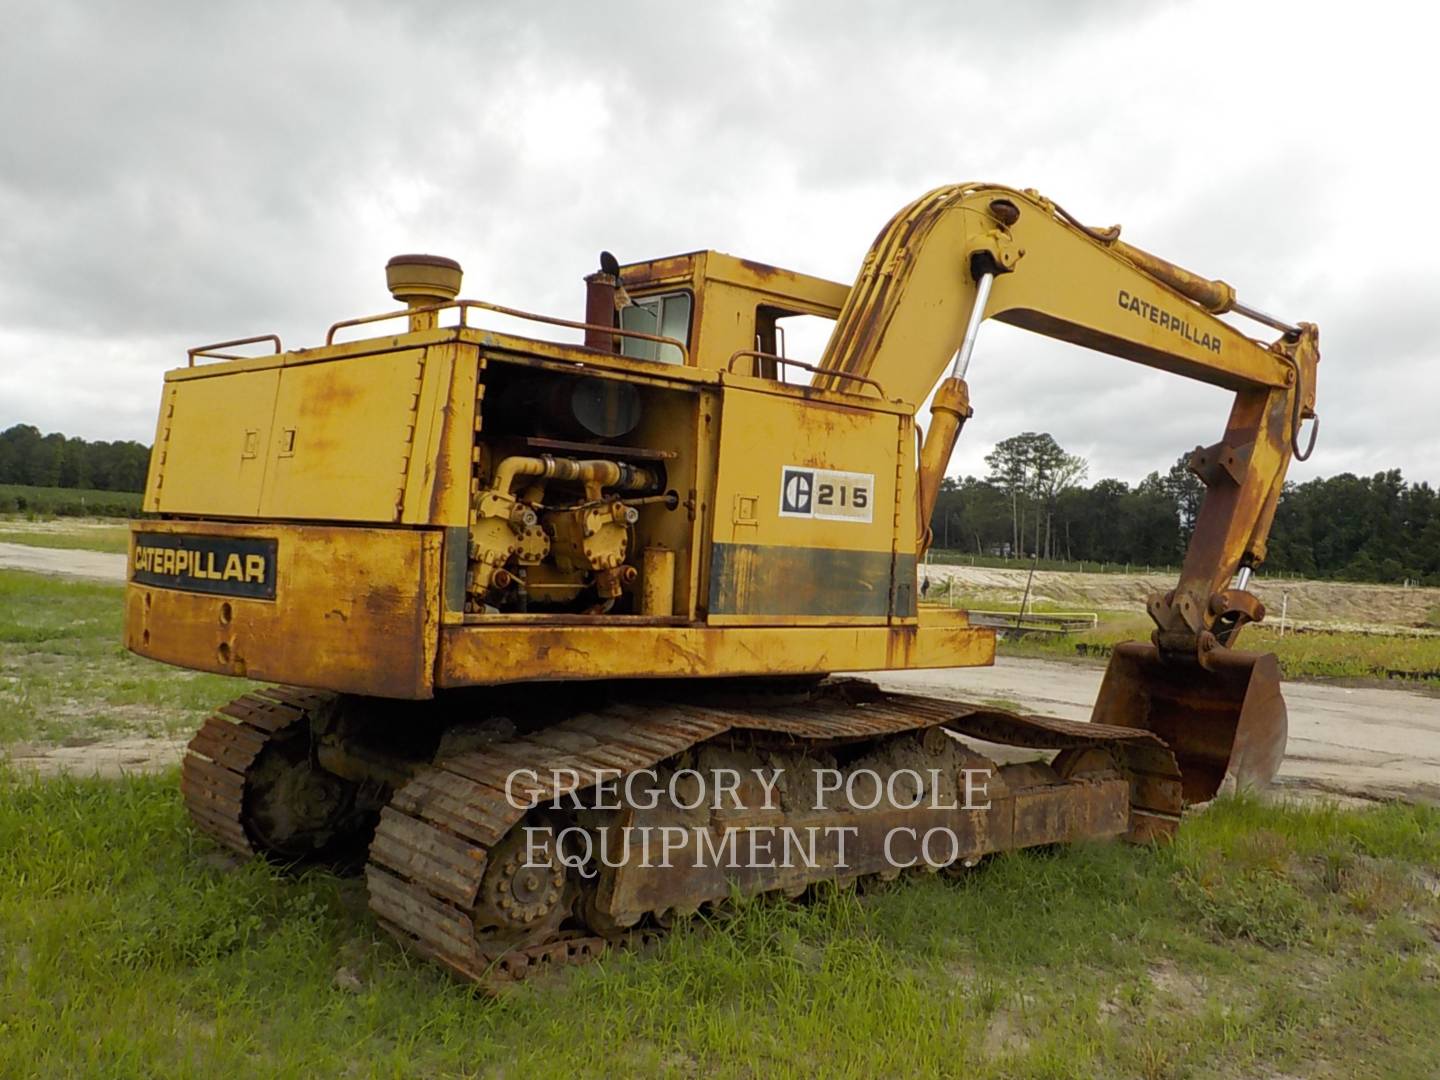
450, 870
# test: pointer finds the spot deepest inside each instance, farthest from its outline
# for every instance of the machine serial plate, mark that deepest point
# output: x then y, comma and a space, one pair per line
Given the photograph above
225, 565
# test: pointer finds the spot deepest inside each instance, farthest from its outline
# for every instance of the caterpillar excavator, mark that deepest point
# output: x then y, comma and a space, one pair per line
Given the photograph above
524, 598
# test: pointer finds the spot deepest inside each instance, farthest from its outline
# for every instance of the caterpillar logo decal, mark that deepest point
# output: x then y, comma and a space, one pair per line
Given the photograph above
827, 494
1167, 321
228, 566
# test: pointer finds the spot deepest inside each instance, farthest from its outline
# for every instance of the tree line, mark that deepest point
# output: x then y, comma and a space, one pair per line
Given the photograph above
55, 460
1034, 502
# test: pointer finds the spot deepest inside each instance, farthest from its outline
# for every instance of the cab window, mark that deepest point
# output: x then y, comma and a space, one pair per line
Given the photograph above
792, 334
666, 315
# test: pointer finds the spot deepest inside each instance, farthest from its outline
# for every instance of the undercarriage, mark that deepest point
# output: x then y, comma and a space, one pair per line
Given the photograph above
499, 846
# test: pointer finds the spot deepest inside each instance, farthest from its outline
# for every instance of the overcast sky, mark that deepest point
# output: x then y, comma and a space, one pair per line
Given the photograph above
172, 174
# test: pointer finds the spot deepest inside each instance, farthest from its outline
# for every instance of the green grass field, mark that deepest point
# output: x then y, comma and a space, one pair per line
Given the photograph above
1268, 940
1301, 656
66, 533
64, 673
956, 557
67, 502
1312, 655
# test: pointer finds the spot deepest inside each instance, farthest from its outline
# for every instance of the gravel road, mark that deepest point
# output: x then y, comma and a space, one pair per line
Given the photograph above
91, 565
1355, 741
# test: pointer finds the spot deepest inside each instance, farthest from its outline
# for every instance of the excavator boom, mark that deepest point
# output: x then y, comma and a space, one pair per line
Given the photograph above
966, 252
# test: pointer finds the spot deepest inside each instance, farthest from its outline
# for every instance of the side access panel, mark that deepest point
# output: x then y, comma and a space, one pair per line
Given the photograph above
343, 435
212, 444
377, 437
805, 514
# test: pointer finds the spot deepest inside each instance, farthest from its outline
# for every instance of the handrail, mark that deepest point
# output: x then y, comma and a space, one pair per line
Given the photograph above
466, 305
208, 350
730, 367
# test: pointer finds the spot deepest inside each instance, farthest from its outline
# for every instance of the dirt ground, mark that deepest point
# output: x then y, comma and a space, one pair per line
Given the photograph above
1356, 742
92, 565
1332, 604
109, 758
61, 525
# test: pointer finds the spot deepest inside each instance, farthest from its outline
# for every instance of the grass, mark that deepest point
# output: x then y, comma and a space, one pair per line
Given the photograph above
1310, 655
64, 673
1302, 656
67, 502
1267, 939
67, 534
981, 603
1358, 656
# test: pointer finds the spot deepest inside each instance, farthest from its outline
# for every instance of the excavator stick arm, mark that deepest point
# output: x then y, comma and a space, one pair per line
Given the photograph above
1032, 265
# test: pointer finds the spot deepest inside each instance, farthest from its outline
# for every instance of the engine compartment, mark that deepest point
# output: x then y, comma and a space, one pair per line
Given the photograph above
582, 494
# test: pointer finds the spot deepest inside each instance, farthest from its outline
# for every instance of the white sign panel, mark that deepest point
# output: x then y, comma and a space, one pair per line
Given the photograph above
826, 494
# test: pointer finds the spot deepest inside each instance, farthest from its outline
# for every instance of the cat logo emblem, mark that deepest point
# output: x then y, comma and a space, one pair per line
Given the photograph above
796, 491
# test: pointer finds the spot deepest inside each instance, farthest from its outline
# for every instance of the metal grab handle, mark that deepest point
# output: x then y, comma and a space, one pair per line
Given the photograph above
1314, 434
530, 316
208, 350
730, 367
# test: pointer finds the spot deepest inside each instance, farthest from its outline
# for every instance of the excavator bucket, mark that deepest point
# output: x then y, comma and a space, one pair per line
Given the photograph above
1222, 722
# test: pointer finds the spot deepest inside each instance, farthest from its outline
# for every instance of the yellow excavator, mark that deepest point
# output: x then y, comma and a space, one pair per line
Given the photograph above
499, 578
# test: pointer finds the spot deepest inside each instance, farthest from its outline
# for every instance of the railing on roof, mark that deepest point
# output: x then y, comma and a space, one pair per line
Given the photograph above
783, 360
463, 306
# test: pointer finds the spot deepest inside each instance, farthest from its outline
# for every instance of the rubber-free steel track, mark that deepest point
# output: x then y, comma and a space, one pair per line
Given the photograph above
215, 771
436, 837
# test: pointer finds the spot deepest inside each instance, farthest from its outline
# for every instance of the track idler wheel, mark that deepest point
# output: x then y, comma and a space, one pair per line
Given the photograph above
295, 810
518, 893
249, 782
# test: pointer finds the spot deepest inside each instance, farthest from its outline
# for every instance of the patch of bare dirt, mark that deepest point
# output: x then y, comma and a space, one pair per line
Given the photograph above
59, 525
68, 562
1005, 1035
1181, 988
126, 755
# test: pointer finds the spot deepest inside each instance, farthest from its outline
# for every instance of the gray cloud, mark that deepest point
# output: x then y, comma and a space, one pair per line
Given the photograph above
176, 173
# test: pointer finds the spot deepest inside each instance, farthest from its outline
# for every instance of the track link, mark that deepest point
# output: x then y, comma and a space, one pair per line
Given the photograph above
214, 773
439, 834
435, 839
